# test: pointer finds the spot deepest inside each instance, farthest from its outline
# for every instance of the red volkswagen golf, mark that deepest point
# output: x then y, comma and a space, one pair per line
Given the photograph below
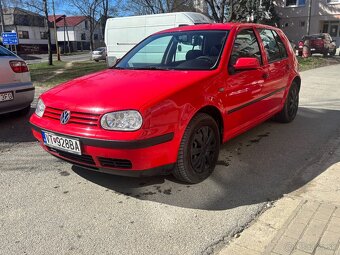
170, 102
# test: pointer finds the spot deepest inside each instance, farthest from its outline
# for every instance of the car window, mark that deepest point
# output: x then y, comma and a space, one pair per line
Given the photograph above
270, 45
182, 50
245, 45
151, 54
5, 52
281, 45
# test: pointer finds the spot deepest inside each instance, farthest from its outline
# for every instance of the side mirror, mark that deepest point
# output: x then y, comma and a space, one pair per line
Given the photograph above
247, 64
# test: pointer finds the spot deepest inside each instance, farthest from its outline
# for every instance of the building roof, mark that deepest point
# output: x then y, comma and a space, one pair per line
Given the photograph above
57, 18
71, 21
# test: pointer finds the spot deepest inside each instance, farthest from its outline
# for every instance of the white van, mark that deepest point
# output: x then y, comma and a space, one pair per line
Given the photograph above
122, 34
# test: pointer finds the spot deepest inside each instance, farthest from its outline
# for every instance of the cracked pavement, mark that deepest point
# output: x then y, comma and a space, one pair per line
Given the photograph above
51, 207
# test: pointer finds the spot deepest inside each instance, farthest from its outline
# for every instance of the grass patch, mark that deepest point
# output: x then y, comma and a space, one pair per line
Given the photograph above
316, 61
48, 76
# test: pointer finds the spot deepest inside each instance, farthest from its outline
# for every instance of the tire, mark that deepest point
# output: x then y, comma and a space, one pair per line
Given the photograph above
96, 60
199, 149
290, 108
325, 52
333, 53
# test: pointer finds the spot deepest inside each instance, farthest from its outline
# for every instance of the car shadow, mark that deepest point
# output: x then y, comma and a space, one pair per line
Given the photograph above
258, 166
15, 127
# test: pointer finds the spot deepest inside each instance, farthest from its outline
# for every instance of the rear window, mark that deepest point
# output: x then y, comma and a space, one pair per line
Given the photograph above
309, 37
5, 52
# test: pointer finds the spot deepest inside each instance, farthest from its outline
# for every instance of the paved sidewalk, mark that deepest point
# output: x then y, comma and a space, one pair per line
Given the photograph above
304, 222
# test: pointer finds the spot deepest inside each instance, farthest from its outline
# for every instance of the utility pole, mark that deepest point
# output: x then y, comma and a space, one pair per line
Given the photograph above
55, 33
2, 18
309, 16
48, 33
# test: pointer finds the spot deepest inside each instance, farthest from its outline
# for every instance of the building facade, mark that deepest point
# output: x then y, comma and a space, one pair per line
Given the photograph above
75, 31
302, 17
30, 28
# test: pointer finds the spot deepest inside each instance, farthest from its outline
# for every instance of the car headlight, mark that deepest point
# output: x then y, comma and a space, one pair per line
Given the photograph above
122, 120
40, 109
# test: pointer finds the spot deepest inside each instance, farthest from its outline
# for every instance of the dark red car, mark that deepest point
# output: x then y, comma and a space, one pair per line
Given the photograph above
319, 43
170, 102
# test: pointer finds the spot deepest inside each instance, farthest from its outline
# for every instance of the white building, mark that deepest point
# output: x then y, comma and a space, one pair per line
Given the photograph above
75, 30
30, 28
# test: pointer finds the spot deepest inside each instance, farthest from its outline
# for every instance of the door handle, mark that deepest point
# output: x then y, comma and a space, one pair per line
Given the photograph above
265, 76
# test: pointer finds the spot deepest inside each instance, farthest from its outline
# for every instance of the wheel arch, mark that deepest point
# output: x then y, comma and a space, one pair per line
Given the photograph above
297, 79
215, 113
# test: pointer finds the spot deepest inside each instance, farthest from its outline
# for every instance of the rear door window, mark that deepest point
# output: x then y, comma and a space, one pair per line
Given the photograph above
270, 45
281, 45
5, 52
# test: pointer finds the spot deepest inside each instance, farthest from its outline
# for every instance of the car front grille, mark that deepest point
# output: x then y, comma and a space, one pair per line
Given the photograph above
115, 163
79, 118
84, 159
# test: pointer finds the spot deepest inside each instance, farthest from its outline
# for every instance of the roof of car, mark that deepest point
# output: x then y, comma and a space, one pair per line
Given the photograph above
214, 26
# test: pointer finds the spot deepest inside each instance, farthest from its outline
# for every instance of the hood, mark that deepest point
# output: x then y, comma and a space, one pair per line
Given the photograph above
112, 89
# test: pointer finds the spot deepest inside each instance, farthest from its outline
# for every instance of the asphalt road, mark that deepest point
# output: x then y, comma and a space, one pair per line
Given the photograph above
51, 207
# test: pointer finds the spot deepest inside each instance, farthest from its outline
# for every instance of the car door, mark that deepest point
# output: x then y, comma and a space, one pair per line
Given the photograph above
243, 88
276, 67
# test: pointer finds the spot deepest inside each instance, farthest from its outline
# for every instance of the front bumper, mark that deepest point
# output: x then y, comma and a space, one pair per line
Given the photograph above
152, 156
23, 94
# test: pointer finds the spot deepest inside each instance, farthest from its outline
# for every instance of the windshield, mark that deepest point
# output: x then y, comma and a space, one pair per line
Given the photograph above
187, 50
5, 52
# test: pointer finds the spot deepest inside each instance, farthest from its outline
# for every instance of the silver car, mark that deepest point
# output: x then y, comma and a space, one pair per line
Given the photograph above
16, 88
99, 54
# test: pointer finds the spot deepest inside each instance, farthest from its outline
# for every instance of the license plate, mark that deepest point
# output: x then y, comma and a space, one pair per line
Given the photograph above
8, 96
61, 142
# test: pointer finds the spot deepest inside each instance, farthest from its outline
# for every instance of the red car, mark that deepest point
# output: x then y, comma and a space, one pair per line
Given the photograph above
171, 101
319, 43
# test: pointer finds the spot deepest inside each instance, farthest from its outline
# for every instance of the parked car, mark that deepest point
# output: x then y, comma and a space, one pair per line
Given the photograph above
319, 43
123, 33
169, 103
16, 88
99, 54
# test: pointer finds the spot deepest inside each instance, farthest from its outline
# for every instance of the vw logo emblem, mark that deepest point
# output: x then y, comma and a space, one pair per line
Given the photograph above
65, 117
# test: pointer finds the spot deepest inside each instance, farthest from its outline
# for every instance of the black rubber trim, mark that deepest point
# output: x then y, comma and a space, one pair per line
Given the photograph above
161, 170
255, 101
24, 90
137, 144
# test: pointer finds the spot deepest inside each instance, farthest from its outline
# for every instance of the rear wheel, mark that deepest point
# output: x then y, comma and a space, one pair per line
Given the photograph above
290, 108
333, 52
199, 149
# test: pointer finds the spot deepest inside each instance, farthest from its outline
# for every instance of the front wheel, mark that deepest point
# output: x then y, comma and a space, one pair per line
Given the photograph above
199, 149
290, 108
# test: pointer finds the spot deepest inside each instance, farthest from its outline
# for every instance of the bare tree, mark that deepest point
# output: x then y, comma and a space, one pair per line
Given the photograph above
42, 6
158, 6
89, 9
259, 11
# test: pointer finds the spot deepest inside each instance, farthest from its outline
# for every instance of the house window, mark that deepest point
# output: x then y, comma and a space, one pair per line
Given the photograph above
23, 35
95, 36
333, 1
302, 23
86, 25
295, 2
43, 35
83, 36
